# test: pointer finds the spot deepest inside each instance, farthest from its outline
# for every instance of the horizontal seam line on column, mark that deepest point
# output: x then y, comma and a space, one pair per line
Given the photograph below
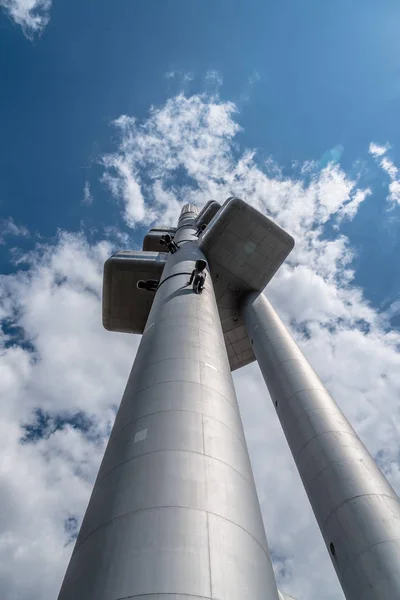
312, 389
196, 412
208, 332
166, 594
284, 336
187, 381
301, 359
202, 330
211, 338
336, 462
323, 409
355, 498
319, 385
200, 326
174, 507
324, 433
157, 362
357, 556
169, 450
118, 431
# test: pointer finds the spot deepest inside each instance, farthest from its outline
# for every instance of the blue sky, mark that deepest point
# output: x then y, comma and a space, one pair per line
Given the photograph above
293, 106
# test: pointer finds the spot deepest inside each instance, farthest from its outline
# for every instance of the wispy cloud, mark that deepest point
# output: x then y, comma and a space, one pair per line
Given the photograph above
214, 77
31, 15
379, 152
87, 194
349, 210
254, 77
9, 229
182, 76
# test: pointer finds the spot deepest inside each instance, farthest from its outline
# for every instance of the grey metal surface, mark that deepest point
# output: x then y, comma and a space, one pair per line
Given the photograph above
189, 210
245, 249
245, 246
174, 513
151, 241
207, 213
126, 308
357, 510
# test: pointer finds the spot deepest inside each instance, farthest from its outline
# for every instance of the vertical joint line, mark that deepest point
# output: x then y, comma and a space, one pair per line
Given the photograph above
208, 525
209, 556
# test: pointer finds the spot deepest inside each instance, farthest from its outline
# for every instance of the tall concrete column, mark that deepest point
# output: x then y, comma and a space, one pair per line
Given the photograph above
174, 512
357, 510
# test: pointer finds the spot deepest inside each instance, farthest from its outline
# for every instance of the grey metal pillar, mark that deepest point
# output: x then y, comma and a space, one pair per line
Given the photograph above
357, 510
174, 512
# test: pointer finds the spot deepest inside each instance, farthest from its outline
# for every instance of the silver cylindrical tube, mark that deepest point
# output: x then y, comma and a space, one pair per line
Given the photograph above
174, 512
357, 510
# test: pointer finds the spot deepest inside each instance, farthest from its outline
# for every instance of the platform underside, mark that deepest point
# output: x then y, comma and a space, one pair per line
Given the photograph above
125, 307
244, 249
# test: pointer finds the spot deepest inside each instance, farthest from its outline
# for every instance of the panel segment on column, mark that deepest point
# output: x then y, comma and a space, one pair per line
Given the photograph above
240, 567
154, 551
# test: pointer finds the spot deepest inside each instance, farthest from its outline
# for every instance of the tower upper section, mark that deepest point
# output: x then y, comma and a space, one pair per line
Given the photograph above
243, 247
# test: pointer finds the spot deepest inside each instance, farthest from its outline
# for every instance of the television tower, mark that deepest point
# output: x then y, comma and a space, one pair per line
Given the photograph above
174, 513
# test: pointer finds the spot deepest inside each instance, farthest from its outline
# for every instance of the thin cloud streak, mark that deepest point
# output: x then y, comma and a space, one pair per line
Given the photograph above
388, 166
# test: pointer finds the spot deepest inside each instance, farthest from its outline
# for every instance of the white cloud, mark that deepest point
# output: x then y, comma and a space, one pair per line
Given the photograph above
393, 311
390, 168
183, 77
55, 303
394, 186
214, 77
254, 77
9, 229
186, 151
376, 150
31, 15
194, 136
394, 191
87, 194
349, 210
149, 156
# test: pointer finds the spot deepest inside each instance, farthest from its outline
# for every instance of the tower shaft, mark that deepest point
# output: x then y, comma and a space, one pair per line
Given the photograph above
174, 512
357, 510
